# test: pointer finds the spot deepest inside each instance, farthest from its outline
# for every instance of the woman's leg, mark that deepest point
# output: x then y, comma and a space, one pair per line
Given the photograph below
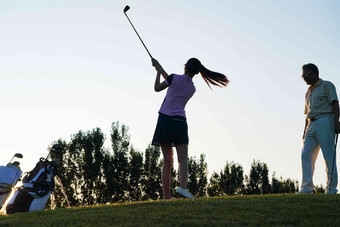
182, 155
166, 173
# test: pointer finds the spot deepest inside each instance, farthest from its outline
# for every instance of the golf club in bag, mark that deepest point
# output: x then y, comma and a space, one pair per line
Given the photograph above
125, 10
38, 185
9, 176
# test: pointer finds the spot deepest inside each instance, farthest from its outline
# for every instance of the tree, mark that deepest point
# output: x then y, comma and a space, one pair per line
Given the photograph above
120, 145
318, 189
93, 174
214, 188
93, 142
151, 180
283, 186
202, 176
81, 169
231, 179
98, 141
59, 199
73, 162
136, 173
257, 182
197, 176
193, 176
108, 174
265, 186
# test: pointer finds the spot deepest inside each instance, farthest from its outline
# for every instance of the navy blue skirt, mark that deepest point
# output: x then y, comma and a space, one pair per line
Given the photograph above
171, 130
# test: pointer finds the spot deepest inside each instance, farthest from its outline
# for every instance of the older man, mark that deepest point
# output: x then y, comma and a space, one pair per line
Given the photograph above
322, 122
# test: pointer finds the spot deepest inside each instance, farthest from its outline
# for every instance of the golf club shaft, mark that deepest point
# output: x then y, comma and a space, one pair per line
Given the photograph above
11, 159
138, 35
334, 157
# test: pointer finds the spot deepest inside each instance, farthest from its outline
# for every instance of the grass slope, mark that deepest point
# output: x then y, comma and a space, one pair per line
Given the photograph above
263, 210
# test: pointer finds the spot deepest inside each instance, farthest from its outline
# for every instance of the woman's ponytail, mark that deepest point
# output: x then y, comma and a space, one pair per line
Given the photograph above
194, 66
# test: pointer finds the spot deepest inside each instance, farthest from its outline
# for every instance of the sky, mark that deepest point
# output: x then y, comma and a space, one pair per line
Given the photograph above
76, 65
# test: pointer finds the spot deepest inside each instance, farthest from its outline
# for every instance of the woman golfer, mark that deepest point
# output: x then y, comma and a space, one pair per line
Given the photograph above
172, 128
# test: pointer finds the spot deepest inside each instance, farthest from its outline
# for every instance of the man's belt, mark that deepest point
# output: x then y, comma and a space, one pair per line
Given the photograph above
318, 117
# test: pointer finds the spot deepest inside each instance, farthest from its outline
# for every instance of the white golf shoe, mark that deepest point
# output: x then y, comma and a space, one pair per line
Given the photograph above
185, 193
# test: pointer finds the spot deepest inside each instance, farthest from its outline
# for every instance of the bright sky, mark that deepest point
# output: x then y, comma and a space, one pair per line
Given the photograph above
75, 65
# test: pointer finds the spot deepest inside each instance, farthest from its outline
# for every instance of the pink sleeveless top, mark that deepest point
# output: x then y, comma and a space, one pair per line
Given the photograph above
180, 90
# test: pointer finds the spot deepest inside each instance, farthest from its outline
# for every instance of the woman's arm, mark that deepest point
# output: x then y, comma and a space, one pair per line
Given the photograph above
160, 71
158, 85
159, 68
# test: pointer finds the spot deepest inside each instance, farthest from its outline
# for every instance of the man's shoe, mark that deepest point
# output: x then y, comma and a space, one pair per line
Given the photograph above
305, 191
184, 192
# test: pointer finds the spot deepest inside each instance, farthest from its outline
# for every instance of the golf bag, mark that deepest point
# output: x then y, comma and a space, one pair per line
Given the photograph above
9, 176
38, 185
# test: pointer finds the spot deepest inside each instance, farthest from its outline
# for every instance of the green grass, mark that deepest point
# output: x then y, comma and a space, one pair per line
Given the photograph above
263, 210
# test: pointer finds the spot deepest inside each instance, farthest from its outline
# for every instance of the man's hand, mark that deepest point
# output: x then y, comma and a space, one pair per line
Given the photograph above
335, 112
337, 127
304, 130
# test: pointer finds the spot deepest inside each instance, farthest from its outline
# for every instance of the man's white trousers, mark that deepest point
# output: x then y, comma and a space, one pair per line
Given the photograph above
319, 133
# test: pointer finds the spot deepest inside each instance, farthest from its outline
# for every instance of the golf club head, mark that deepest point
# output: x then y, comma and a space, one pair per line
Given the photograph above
16, 163
56, 154
126, 8
18, 155
12, 164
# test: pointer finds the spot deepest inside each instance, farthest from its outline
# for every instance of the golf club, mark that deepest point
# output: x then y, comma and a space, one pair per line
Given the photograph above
16, 163
17, 155
125, 10
336, 142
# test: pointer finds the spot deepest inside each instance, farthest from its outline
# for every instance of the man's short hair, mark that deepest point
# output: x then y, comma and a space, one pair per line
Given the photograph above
311, 67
